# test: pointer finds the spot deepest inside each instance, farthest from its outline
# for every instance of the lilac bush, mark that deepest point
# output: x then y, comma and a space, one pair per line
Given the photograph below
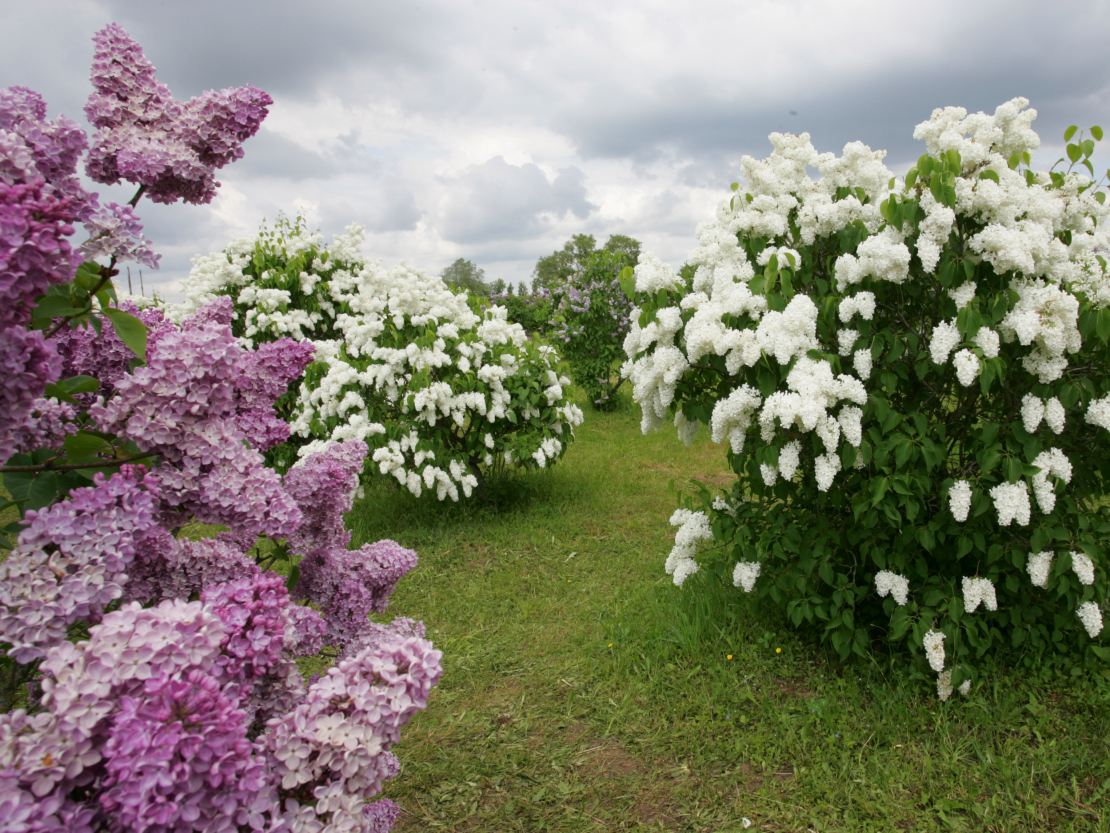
165, 693
591, 322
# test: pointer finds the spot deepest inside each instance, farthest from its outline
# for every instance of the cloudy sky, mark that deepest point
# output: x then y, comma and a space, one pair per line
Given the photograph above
493, 131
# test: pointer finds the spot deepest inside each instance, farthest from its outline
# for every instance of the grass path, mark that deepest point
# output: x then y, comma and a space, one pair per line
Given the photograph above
580, 693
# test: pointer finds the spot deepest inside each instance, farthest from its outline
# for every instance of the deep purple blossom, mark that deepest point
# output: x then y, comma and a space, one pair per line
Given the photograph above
28, 364
350, 585
40, 198
148, 138
324, 486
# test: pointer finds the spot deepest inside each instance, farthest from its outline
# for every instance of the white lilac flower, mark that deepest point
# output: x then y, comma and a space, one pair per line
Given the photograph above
1011, 501
959, 500
861, 361
692, 528
769, 473
945, 339
1038, 566
789, 456
944, 685
979, 590
963, 294
1052, 462
846, 340
987, 341
732, 416
965, 687
1098, 412
862, 303
1084, 567
934, 649
1091, 615
849, 419
967, 366
1054, 415
1032, 412
825, 468
892, 584
745, 574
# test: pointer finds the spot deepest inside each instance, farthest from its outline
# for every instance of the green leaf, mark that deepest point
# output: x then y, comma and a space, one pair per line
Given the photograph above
628, 282
88, 275
131, 330
52, 306
1096, 131
991, 175
294, 577
83, 446
1075, 153
1103, 325
1071, 131
43, 491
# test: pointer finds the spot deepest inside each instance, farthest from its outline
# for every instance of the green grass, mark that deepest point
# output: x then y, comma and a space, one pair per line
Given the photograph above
582, 691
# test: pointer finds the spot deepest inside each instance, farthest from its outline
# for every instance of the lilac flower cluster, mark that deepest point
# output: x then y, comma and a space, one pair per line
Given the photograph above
72, 560
146, 137
185, 405
84, 352
333, 749
28, 366
47, 426
40, 198
324, 487
115, 232
347, 585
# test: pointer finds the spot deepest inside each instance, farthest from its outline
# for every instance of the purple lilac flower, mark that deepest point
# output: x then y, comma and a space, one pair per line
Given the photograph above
72, 559
28, 364
40, 198
148, 138
184, 404
380, 816
115, 232
331, 746
104, 356
323, 486
253, 611
265, 375
47, 426
177, 758
349, 585
168, 568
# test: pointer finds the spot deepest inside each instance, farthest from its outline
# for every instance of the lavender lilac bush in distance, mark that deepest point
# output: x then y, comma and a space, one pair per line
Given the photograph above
155, 712
591, 322
911, 375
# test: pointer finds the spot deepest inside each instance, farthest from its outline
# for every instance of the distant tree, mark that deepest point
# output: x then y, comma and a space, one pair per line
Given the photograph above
497, 287
620, 244
556, 268
462, 274
687, 272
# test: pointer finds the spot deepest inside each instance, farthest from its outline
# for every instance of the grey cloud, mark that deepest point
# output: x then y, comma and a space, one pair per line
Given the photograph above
1061, 71
499, 201
271, 154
